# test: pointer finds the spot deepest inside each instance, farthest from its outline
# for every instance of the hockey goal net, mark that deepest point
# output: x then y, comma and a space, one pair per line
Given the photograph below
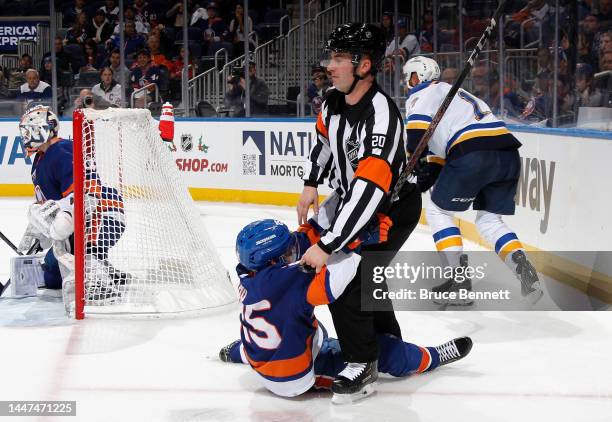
140, 244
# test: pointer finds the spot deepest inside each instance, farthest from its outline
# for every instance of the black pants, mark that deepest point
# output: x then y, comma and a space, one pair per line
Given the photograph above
357, 328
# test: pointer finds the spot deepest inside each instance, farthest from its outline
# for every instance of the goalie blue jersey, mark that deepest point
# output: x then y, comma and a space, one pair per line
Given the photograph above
279, 331
52, 173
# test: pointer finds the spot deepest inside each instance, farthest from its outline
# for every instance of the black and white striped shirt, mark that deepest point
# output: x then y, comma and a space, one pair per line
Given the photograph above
361, 150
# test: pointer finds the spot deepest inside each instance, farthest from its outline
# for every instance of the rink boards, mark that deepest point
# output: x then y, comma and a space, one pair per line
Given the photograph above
563, 200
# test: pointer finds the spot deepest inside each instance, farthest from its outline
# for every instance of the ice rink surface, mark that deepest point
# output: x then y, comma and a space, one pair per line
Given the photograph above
525, 366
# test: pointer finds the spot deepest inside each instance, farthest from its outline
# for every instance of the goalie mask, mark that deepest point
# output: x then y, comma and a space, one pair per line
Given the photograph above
425, 68
38, 125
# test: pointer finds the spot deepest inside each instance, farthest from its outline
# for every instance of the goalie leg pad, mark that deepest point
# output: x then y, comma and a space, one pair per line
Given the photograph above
52, 273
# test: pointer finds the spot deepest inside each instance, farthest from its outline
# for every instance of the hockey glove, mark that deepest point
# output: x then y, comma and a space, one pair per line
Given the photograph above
28, 238
50, 220
374, 233
426, 174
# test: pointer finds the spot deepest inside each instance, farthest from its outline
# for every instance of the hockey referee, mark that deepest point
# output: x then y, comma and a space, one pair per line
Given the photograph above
361, 150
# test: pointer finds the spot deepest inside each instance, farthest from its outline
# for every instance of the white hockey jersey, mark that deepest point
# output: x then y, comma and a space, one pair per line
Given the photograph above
467, 125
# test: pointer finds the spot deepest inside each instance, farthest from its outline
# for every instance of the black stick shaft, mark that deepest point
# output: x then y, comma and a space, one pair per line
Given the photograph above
11, 244
447, 101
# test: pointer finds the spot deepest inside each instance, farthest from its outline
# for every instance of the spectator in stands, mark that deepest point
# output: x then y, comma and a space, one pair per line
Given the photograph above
4, 92
17, 76
258, 89
317, 88
144, 14
63, 61
408, 43
387, 26
566, 101
34, 88
99, 29
426, 31
176, 66
236, 31
214, 28
176, 74
46, 70
176, 13
157, 57
449, 75
166, 41
115, 65
108, 88
535, 15
94, 55
588, 40
70, 13
605, 43
605, 14
479, 74
604, 82
111, 11
130, 15
545, 60
77, 34
234, 96
85, 99
143, 73
588, 95
134, 42
539, 106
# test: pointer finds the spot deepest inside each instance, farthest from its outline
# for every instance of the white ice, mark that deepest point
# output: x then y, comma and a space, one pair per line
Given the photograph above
525, 366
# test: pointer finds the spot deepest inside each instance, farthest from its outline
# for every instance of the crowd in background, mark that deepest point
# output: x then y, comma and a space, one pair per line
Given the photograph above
87, 51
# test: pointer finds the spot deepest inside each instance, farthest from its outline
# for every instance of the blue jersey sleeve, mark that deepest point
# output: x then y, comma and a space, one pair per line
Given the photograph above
63, 172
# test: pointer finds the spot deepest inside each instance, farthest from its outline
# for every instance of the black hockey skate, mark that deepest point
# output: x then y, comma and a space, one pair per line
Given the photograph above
453, 350
452, 286
355, 382
224, 354
100, 292
528, 276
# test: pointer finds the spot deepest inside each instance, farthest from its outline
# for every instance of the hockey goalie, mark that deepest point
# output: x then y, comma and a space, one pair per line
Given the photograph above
50, 218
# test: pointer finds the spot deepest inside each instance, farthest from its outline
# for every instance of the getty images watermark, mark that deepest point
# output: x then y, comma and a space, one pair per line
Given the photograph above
411, 274
419, 281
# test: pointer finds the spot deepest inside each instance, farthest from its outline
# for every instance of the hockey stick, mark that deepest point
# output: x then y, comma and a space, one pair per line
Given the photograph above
446, 103
11, 244
33, 249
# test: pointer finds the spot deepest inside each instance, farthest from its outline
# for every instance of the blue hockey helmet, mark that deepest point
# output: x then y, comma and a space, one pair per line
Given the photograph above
262, 241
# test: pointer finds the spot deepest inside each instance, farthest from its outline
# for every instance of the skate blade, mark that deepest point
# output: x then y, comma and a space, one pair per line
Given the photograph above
534, 297
454, 302
355, 397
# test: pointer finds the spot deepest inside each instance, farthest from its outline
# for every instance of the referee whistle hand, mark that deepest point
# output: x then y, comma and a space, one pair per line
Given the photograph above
309, 196
315, 257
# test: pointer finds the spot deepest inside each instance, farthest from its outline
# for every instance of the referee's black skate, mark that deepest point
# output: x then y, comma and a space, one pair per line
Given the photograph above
355, 382
453, 286
528, 276
453, 350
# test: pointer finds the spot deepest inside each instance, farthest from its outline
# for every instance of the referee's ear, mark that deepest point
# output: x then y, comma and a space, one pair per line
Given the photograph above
365, 66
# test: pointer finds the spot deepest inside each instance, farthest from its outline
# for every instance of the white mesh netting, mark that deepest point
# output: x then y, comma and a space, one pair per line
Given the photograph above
146, 249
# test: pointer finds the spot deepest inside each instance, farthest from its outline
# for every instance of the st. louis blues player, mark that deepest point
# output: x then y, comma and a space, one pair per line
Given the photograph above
472, 159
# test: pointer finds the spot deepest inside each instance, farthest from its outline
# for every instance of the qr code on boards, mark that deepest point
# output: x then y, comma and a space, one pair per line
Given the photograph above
249, 164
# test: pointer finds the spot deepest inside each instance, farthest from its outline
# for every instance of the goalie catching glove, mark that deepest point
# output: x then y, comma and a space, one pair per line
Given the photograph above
49, 220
